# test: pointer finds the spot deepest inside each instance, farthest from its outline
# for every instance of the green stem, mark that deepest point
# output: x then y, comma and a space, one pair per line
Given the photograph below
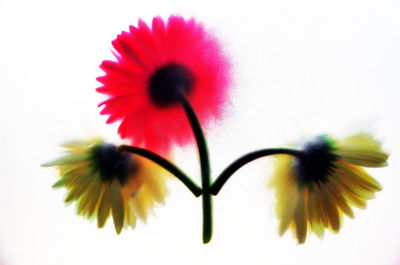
177, 172
233, 167
205, 169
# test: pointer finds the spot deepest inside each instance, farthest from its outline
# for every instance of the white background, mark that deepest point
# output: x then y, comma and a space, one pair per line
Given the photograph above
301, 68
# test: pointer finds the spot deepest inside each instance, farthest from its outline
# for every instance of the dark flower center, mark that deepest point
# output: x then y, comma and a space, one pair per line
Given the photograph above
113, 164
168, 83
316, 163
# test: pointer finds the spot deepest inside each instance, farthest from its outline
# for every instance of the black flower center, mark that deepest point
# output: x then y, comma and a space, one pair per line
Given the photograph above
316, 163
168, 83
113, 164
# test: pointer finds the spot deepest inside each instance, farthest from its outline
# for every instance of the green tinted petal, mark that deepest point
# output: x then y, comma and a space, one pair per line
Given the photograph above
83, 203
363, 158
80, 187
104, 208
68, 159
286, 208
314, 218
300, 218
117, 206
69, 179
320, 206
363, 150
95, 199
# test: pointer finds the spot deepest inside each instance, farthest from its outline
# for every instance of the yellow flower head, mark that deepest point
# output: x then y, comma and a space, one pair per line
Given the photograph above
104, 181
314, 189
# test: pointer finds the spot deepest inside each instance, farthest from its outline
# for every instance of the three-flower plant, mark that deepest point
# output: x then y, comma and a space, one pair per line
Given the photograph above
167, 81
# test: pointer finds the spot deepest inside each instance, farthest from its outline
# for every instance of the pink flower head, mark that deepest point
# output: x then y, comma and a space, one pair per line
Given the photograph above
152, 64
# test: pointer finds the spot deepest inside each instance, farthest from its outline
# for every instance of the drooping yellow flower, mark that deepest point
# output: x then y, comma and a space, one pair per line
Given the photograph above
314, 189
104, 181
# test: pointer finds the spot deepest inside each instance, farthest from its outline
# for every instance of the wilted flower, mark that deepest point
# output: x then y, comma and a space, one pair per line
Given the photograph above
104, 181
314, 189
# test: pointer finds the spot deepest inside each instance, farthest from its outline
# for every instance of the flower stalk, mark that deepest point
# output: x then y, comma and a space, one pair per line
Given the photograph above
204, 166
173, 169
247, 158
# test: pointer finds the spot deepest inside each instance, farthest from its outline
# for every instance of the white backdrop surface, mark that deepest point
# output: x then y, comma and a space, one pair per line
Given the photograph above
301, 68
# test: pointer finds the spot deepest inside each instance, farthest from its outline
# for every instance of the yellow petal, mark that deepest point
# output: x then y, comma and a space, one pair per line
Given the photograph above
67, 180
145, 189
117, 206
340, 200
285, 209
287, 194
311, 207
73, 168
359, 190
79, 188
84, 145
319, 205
330, 209
142, 203
130, 218
313, 215
300, 217
155, 184
359, 176
362, 150
349, 194
104, 208
68, 159
94, 202
83, 203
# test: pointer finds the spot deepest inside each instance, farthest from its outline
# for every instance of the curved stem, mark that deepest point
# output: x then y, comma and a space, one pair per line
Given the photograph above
177, 172
205, 169
233, 167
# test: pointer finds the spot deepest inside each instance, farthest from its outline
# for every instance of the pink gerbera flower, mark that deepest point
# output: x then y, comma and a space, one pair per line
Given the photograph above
153, 67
